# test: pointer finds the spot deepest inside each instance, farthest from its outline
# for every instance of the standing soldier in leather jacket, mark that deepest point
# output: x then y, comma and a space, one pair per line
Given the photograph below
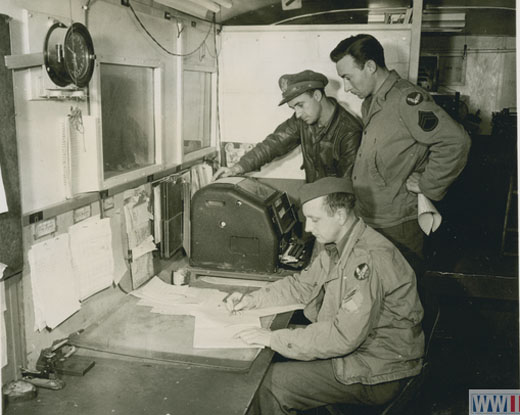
328, 134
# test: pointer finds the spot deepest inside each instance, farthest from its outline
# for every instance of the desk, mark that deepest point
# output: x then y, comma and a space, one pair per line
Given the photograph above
137, 387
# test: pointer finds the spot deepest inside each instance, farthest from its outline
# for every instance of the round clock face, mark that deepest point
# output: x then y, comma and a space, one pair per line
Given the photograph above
78, 54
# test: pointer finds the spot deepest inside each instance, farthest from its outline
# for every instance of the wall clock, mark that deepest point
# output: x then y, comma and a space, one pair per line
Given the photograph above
69, 54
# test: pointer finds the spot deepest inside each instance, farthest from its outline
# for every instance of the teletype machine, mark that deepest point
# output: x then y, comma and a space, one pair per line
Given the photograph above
243, 228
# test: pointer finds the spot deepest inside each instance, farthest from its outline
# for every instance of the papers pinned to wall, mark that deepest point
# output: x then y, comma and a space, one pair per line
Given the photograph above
69, 268
92, 256
140, 240
54, 288
120, 264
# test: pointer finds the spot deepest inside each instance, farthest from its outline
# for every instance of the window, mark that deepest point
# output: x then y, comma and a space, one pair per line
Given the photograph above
127, 111
197, 105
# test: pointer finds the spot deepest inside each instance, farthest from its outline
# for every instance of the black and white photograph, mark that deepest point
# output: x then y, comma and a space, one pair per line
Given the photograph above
259, 207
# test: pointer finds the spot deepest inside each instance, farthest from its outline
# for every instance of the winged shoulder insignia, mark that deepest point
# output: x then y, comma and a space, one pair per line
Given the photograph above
414, 98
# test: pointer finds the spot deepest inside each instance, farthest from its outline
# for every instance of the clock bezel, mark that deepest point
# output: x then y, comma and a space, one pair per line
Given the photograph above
90, 57
56, 54
53, 55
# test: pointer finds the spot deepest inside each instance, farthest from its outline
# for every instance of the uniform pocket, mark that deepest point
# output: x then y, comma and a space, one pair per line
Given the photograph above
377, 169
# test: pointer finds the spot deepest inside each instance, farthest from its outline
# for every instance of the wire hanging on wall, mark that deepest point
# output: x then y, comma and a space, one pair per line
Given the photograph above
203, 43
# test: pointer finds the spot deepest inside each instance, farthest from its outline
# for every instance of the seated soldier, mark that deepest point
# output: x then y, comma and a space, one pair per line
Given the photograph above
365, 338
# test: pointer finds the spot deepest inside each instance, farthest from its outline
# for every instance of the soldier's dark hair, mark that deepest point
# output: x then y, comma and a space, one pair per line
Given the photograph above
334, 201
362, 48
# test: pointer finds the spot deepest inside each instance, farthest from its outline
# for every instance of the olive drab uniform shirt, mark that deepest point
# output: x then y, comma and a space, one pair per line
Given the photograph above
405, 132
364, 308
329, 151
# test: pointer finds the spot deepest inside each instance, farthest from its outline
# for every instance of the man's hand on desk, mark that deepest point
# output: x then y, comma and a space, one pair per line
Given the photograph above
236, 170
238, 301
255, 336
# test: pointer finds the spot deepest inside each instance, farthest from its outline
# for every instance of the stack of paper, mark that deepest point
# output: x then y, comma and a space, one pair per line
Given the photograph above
215, 327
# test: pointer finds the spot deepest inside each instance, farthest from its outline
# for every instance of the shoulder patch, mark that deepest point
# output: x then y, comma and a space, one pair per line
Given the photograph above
414, 98
428, 120
362, 272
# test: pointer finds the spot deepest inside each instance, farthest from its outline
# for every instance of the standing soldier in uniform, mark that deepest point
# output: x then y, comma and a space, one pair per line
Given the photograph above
409, 145
328, 134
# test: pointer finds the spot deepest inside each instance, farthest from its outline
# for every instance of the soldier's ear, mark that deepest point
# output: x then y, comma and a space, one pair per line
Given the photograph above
342, 215
317, 95
370, 66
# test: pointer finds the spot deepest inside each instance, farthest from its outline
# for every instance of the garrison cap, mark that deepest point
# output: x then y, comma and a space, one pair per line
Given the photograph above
325, 186
293, 85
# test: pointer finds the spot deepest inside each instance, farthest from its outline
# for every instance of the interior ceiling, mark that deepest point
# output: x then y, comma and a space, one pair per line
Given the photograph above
481, 15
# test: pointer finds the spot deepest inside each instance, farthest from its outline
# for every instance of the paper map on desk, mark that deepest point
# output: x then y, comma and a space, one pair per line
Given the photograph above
214, 326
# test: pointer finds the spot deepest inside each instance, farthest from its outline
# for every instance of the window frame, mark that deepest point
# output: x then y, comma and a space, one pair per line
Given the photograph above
198, 154
96, 109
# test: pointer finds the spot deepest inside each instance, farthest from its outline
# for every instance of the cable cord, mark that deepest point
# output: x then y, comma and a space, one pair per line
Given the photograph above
203, 43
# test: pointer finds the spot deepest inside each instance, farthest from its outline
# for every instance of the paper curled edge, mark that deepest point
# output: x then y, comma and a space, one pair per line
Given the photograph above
428, 216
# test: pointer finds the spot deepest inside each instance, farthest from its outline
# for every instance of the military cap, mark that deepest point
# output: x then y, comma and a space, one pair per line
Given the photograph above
293, 85
325, 186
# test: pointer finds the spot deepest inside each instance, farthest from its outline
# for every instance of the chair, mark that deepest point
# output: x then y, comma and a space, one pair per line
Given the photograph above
413, 385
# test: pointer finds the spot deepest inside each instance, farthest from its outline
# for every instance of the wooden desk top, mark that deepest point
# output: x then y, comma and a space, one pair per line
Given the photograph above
134, 386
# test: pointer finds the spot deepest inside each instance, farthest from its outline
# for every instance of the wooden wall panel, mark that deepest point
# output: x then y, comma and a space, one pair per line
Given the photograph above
10, 221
